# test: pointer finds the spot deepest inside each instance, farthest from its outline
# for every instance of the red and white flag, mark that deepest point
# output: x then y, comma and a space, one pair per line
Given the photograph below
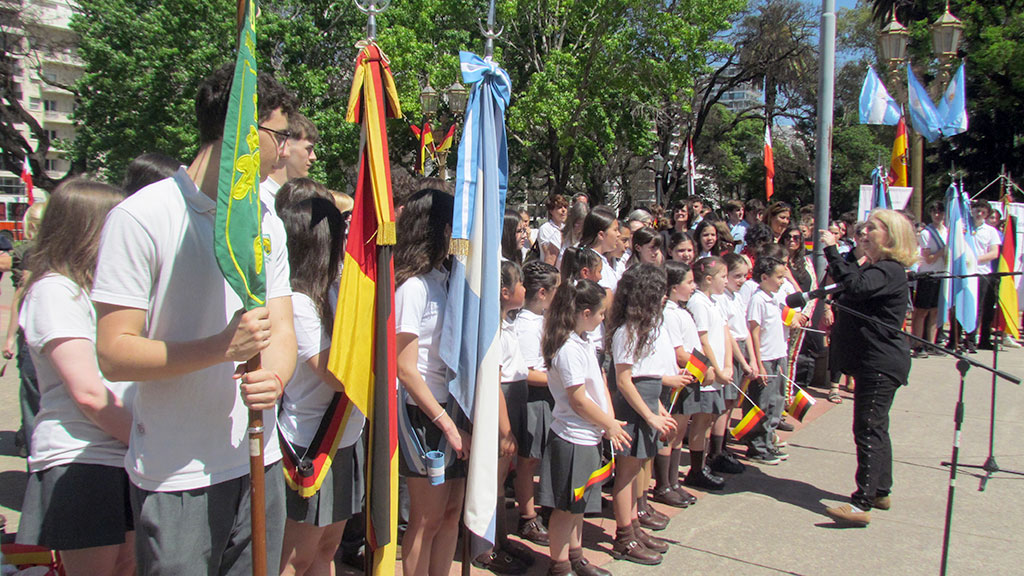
26, 177
769, 162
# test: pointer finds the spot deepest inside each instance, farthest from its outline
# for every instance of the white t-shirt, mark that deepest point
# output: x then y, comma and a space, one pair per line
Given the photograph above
680, 327
549, 233
575, 364
659, 360
513, 364
307, 397
156, 254
57, 308
732, 306
268, 194
764, 310
529, 328
933, 240
419, 310
985, 237
609, 277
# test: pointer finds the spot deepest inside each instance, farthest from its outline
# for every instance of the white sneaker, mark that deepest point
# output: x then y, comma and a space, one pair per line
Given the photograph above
1010, 342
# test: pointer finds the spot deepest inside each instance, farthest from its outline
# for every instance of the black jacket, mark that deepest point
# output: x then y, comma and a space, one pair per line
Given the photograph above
879, 291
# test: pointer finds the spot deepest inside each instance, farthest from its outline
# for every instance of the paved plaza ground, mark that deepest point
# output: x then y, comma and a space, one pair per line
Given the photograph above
770, 520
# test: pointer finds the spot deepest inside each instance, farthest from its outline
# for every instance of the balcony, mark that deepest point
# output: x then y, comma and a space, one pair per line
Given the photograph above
57, 117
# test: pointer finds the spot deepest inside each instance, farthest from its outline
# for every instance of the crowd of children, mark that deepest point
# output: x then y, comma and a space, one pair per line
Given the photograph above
622, 346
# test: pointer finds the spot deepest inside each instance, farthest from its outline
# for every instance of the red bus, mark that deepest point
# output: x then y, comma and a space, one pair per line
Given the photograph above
12, 213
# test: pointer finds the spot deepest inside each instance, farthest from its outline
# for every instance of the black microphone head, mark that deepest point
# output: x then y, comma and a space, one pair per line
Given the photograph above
796, 300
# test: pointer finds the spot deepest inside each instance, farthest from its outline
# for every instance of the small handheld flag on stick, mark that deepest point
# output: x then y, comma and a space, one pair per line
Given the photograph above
788, 315
600, 475
801, 402
696, 365
751, 420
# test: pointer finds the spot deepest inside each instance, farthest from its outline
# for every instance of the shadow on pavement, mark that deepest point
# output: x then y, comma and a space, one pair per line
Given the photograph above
12, 488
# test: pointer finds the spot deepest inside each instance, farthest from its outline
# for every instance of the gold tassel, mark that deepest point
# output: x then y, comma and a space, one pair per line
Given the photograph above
386, 234
459, 247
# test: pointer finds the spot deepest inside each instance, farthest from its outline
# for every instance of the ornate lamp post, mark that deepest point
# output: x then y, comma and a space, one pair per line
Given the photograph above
947, 33
658, 163
455, 96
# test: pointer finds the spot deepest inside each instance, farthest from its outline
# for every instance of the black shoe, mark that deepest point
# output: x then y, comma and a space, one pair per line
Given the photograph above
985, 346
500, 562
970, 347
785, 426
702, 479
725, 463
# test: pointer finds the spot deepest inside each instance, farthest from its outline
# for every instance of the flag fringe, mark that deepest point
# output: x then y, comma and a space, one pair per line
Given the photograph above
459, 247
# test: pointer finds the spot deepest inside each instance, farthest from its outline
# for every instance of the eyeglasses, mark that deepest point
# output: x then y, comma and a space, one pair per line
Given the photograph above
796, 237
279, 137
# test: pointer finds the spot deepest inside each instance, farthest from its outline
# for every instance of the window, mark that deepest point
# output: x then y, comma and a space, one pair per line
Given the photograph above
50, 76
33, 103
11, 186
51, 134
52, 164
50, 105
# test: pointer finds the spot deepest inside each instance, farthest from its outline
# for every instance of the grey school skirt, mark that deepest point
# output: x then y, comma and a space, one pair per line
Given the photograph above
430, 437
76, 506
340, 496
645, 438
536, 422
704, 402
565, 472
730, 392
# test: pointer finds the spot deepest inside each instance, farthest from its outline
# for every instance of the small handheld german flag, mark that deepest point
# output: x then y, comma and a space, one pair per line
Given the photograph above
600, 475
788, 315
800, 405
750, 421
809, 245
696, 365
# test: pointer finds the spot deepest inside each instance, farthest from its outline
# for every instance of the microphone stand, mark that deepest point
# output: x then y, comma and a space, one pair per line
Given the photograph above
963, 364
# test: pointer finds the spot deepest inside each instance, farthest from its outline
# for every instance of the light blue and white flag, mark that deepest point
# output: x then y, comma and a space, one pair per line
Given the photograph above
952, 108
923, 114
961, 259
880, 189
876, 106
470, 337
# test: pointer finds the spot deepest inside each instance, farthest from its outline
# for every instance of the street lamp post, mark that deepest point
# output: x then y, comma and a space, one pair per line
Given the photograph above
455, 96
946, 34
659, 168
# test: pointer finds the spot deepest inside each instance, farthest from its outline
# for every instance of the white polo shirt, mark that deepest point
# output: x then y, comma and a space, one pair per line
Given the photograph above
268, 194
765, 312
156, 254
419, 310
659, 360
550, 233
575, 364
985, 237
708, 318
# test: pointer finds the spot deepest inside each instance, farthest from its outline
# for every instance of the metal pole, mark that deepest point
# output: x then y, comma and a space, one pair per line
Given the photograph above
826, 102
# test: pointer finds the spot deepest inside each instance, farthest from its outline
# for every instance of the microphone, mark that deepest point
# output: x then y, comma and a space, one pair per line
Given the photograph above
798, 299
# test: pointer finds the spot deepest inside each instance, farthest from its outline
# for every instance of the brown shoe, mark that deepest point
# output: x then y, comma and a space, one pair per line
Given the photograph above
846, 515
628, 547
651, 519
690, 498
670, 497
882, 502
582, 567
659, 545
533, 529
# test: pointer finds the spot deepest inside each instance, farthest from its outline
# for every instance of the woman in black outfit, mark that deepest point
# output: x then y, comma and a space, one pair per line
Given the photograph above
877, 357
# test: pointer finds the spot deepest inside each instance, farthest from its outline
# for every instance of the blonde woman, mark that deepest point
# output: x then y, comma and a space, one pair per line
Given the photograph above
874, 352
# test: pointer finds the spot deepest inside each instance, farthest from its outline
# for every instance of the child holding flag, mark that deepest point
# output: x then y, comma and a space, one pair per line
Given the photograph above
684, 338
707, 402
644, 360
735, 310
768, 339
571, 471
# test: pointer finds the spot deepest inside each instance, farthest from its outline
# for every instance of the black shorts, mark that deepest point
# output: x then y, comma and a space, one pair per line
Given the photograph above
927, 294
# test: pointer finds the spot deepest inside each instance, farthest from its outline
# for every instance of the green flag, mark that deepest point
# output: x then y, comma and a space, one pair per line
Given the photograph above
238, 237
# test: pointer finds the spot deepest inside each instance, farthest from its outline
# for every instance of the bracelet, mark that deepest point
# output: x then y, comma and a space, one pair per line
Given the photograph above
438, 417
279, 381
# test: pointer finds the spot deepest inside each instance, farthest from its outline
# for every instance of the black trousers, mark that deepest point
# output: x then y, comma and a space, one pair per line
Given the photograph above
872, 399
987, 287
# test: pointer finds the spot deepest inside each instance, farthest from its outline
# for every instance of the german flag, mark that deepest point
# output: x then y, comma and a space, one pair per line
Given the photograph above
809, 245
306, 476
426, 148
800, 405
446, 142
750, 421
697, 365
1008, 319
600, 475
363, 345
788, 315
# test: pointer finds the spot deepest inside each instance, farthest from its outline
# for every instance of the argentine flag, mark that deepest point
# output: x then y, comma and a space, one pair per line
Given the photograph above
961, 259
952, 108
876, 106
470, 336
923, 114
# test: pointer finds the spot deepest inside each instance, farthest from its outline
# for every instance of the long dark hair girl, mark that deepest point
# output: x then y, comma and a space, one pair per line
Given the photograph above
571, 298
69, 236
796, 256
638, 307
575, 259
599, 220
643, 237
315, 237
424, 231
510, 248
